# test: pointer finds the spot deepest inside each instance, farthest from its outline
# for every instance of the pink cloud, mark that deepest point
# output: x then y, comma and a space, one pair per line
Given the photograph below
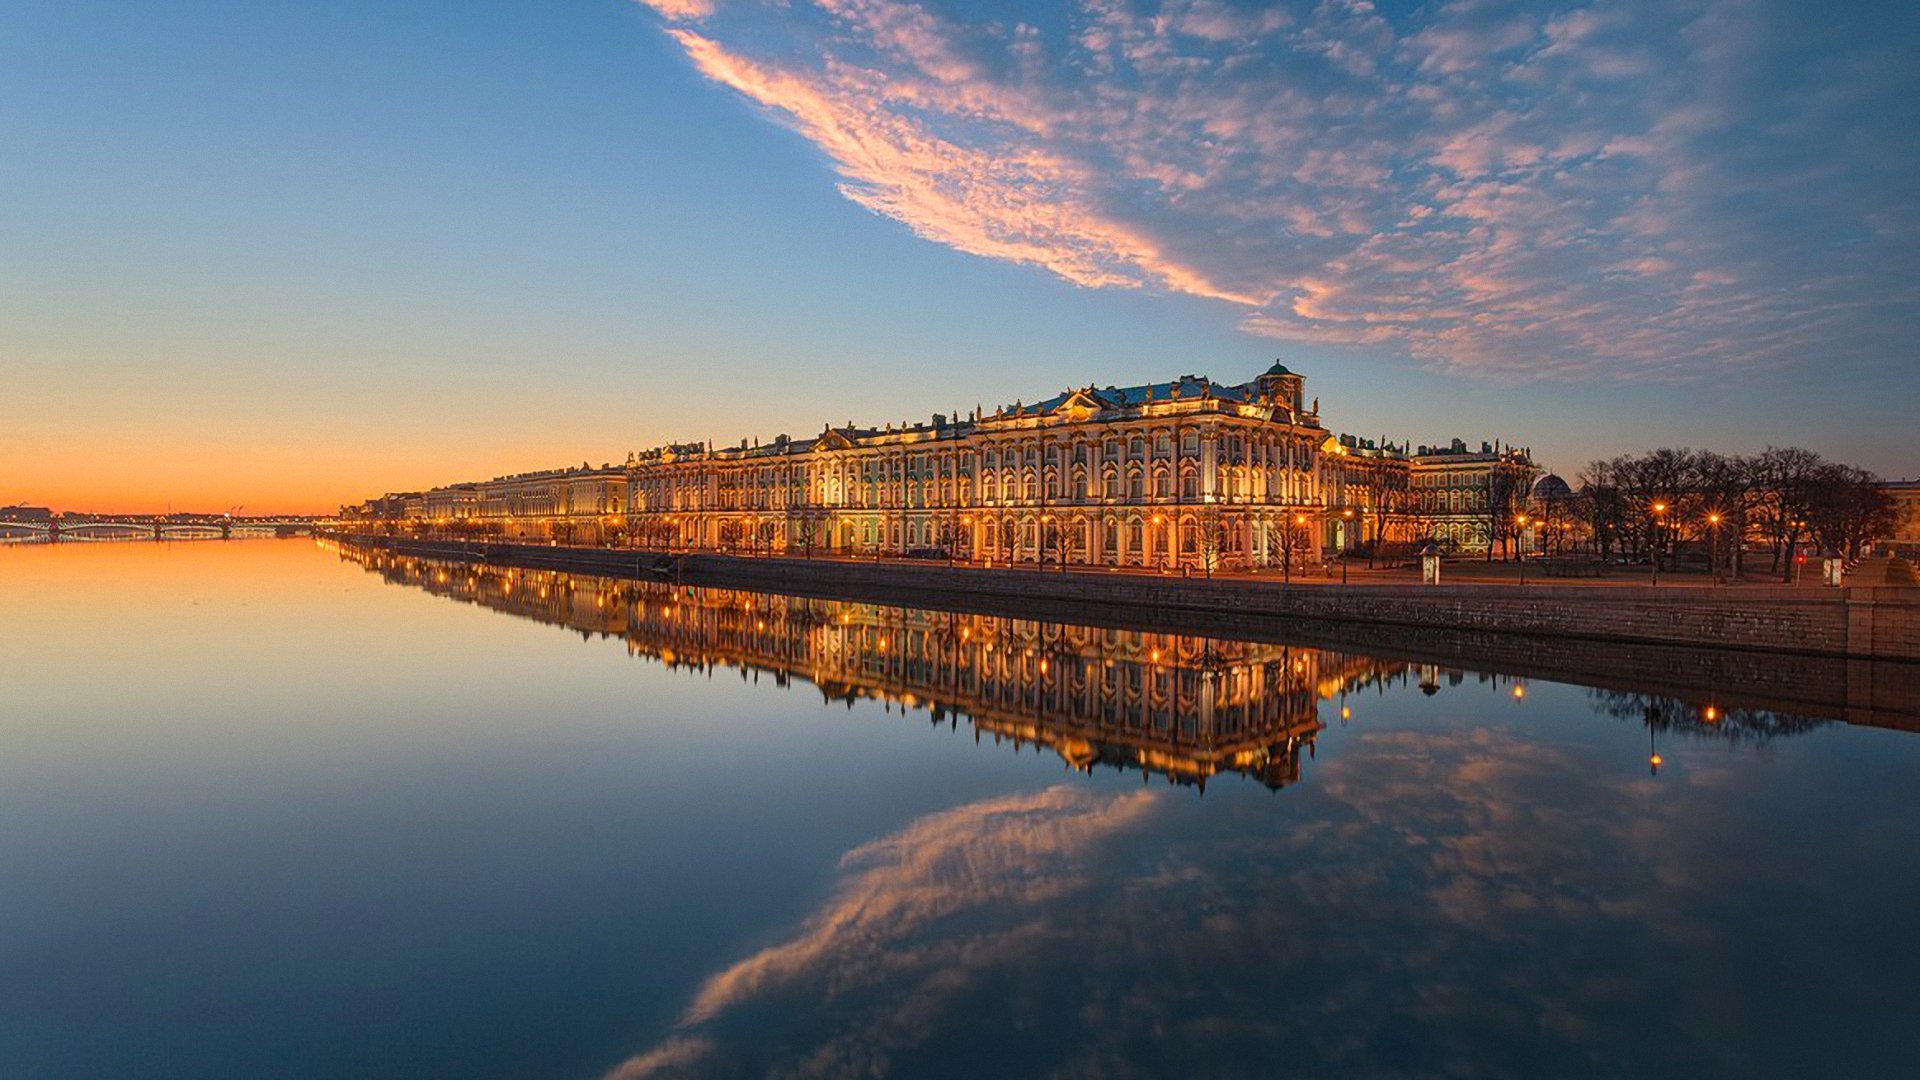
1471, 184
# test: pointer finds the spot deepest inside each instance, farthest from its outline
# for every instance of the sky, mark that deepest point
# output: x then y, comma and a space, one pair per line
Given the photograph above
283, 255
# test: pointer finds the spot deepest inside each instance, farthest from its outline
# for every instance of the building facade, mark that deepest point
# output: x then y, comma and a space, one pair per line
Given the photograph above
1472, 500
1905, 534
1188, 473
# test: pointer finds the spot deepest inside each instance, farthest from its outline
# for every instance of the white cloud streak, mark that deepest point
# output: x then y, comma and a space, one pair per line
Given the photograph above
1516, 190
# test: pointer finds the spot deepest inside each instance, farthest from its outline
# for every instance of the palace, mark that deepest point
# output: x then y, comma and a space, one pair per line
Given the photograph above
1186, 473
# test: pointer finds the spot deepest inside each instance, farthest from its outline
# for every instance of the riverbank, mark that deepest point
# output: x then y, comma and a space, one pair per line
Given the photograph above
1865, 623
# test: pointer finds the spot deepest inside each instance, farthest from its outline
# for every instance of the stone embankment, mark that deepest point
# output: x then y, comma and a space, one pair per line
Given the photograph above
1865, 622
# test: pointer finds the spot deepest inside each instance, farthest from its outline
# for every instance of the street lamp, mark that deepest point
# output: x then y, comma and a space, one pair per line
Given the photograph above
1286, 547
1713, 552
1346, 543
1653, 555
1520, 523
1160, 543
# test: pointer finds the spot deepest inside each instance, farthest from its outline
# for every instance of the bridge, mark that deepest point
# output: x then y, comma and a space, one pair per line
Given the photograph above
163, 527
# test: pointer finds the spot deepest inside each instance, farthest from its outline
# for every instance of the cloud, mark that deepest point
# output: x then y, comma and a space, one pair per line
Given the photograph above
681, 10
1517, 190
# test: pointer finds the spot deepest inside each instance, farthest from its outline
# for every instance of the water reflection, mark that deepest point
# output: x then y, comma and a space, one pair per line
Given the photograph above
1181, 707
1507, 892
306, 825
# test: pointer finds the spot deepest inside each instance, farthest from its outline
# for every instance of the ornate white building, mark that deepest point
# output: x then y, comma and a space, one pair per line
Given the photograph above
1184, 473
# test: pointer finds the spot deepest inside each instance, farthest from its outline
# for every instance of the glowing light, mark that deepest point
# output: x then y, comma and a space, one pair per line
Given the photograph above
1656, 761
1519, 692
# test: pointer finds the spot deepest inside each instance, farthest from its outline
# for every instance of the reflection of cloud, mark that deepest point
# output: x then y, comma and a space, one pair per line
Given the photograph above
1505, 187
672, 1054
919, 910
1460, 901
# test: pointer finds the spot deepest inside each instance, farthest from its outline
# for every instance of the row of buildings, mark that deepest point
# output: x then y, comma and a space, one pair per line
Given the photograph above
1188, 472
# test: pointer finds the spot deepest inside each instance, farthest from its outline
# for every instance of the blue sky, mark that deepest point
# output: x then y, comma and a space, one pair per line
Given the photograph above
284, 254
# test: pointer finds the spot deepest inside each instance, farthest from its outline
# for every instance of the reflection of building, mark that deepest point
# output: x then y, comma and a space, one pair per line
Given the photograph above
1187, 472
1180, 706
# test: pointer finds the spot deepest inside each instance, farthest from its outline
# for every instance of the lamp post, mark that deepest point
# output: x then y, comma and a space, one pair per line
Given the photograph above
1653, 553
1346, 542
1713, 551
1519, 542
1286, 547
1160, 544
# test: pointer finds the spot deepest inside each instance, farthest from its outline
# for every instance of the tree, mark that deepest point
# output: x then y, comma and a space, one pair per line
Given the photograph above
1292, 534
1846, 508
1505, 495
1602, 506
1394, 502
1726, 486
1782, 480
1212, 541
807, 529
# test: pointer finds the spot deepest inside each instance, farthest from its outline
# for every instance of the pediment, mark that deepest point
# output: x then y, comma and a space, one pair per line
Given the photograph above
1079, 405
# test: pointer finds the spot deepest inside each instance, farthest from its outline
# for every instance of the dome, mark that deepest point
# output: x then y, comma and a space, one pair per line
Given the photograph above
1278, 368
1551, 487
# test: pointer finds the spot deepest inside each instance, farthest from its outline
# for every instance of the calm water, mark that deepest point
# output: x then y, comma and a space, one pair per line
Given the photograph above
273, 810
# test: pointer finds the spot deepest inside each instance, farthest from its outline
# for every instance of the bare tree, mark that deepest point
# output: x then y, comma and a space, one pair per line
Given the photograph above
1212, 541
1504, 496
1846, 507
1783, 481
807, 529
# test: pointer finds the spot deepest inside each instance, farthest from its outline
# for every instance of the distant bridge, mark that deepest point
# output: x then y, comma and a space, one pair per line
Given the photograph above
153, 528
